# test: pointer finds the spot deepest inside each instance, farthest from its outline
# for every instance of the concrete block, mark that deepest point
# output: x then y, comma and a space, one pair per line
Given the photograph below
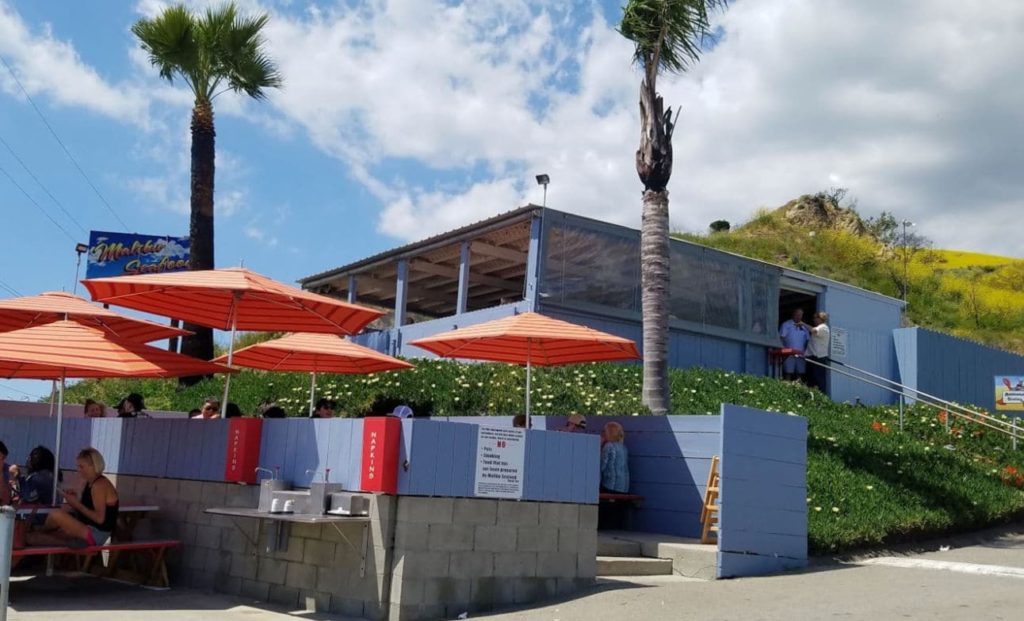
515, 565
568, 539
293, 551
587, 542
349, 607
196, 515
243, 496
475, 511
537, 538
411, 536
376, 610
407, 590
588, 517
347, 555
448, 592
284, 595
417, 612
307, 531
450, 537
229, 585
314, 601
219, 562
471, 564
369, 588
271, 571
489, 593
331, 580
212, 494
518, 513
556, 565
190, 491
559, 515
186, 534
586, 565
166, 490
429, 564
301, 576
195, 558
494, 539
535, 589
233, 541
243, 566
199, 579
425, 510
318, 553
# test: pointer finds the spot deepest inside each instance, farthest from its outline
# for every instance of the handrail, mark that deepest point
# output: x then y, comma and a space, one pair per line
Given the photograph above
950, 408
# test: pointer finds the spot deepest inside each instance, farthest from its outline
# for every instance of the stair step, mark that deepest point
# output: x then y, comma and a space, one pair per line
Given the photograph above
617, 547
633, 566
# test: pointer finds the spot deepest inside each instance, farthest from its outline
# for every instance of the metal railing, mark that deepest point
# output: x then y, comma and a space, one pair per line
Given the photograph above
948, 407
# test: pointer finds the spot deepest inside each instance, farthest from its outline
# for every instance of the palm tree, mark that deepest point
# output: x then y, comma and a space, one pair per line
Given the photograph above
212, 53
668, 35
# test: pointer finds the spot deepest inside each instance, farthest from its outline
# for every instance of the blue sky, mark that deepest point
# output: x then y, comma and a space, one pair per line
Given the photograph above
401, 119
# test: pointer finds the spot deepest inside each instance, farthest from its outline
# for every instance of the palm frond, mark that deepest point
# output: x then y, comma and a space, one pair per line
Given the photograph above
169, 40
668, 35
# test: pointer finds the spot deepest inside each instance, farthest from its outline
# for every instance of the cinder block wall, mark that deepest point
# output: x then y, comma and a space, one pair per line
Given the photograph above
318, 571
427, 558
455, 555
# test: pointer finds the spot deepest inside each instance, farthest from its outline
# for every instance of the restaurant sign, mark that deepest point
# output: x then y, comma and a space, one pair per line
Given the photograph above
1010, 393
131, 254
500, 454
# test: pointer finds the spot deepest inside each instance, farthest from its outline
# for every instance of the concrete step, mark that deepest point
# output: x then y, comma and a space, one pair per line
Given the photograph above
612, 546
690, 558
633, 566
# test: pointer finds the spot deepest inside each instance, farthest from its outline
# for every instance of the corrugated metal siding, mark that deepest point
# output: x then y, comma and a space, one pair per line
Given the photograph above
956, 369
869, 321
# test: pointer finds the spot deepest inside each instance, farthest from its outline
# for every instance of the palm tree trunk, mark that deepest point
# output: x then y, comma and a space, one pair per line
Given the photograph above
201, 227
654, 283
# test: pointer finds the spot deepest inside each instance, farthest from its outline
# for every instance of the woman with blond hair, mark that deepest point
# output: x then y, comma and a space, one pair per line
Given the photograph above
92, 515
614, 460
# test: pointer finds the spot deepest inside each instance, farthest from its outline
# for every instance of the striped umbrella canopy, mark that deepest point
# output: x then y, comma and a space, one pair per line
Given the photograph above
314, 353
530, 339
25, 312
232, 298
66, 348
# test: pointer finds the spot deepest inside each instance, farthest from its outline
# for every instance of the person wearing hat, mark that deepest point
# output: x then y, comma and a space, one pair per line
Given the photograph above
576, 422
131, 406
402, 411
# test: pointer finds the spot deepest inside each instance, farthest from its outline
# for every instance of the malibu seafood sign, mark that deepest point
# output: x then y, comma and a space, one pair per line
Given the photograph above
1010, 393
124, 254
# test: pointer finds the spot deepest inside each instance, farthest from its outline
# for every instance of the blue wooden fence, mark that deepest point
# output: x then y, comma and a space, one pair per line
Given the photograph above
763, 492
952, 368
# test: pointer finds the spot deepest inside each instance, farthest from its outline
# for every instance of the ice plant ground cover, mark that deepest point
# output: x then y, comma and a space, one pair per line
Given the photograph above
868, 483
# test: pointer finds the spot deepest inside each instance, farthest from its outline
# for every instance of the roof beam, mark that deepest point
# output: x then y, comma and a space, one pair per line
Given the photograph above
499, 252
474, 278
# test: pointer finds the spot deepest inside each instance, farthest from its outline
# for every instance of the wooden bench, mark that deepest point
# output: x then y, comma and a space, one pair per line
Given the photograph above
608, 497
612, 512
155, 574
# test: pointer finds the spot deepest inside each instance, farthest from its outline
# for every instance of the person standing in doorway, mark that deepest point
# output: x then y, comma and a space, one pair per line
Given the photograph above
794, 336
818, 349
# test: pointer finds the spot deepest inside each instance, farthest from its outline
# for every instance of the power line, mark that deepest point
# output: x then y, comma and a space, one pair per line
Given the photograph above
61, 143
7, 387
9, 288
40, 183
38, 206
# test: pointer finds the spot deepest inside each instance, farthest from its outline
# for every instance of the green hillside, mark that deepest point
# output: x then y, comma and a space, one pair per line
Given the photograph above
975, 296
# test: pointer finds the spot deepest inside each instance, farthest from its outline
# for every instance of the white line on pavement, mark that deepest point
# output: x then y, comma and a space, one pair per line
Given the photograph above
963, 568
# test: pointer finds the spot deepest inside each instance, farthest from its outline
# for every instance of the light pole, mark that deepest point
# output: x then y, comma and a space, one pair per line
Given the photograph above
906, 259
544, 180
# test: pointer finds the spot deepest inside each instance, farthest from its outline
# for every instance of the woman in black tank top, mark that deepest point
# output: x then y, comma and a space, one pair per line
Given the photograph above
91, 517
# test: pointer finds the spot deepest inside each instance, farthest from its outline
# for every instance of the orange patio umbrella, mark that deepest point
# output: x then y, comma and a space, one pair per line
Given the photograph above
63, 349
233, 298
25, 312
530, 339
314, 353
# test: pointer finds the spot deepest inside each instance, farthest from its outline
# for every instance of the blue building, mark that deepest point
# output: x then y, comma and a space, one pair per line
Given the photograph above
726, 309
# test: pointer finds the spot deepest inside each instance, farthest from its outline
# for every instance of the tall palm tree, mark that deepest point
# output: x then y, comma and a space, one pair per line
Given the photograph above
668, 36
212, 53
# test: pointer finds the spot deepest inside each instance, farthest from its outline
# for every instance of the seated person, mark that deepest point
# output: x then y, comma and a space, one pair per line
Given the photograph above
5, 487
91, 516
519, 421
325, 408
232, 410
34, 486
210, 409
94, 409
614, 460
576, 422
131, 406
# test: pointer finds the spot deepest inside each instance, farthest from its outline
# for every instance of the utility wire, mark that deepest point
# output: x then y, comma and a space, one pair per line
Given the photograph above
38, 206
40, 184
12, 389
9, 288
61, 143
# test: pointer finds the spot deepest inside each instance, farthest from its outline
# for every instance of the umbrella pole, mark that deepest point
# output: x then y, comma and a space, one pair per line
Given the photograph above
231, 354
60, 424
53, 394
312, 391
529, 424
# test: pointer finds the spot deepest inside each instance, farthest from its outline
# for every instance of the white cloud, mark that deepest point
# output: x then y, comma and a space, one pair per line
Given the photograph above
47, 65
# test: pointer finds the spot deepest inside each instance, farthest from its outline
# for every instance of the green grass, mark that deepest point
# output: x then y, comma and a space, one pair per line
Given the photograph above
868, 484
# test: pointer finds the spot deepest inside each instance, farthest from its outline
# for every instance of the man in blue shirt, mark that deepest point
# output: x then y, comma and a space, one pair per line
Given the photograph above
794, 336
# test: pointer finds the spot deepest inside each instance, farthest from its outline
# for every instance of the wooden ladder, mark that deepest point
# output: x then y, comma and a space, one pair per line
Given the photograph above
709, 514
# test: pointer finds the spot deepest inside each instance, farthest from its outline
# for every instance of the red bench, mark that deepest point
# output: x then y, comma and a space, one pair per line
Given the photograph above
154, 574
612, 498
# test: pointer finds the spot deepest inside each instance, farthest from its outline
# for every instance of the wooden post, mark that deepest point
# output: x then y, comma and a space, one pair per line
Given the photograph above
464, 257
401, 292
352, 284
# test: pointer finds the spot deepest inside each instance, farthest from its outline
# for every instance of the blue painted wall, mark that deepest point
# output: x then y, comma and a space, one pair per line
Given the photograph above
763, 492
869, 320
952, 368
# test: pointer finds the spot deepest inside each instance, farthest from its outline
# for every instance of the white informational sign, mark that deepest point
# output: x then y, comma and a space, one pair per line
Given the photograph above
500, 453
838, 343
